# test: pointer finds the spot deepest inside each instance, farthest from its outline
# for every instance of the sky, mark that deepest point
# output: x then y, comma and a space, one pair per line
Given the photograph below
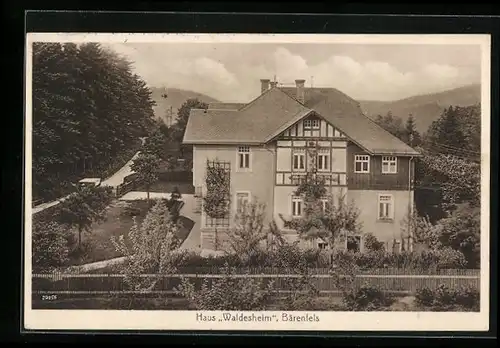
231, 72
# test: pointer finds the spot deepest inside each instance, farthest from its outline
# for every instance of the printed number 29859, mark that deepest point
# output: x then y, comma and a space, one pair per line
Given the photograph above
49, 297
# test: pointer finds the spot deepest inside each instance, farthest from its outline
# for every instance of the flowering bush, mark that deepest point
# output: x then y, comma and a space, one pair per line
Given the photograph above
153, 249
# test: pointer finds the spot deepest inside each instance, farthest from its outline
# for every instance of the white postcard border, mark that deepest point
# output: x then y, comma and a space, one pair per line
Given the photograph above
328, 321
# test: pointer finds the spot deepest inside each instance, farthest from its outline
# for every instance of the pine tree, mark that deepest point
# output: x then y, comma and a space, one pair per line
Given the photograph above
411, 136
446, 133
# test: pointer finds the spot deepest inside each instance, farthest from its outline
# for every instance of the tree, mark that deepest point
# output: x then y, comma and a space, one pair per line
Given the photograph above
146, 166
462, 231
183, 115
248, 232
87, 101
445, 134
325, 215
84, 207
49, 246
151, 248
178, 129
419, 230
459, 178
155, 144
410, 134
391, 123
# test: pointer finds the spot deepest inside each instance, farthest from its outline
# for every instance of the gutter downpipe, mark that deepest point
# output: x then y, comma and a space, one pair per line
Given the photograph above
410, 206
274, 153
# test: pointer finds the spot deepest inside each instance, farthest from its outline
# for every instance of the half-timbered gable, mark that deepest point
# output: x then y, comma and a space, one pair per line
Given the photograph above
293, 160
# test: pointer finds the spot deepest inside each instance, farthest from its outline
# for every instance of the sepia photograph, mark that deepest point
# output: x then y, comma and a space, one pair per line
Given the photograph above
257, 181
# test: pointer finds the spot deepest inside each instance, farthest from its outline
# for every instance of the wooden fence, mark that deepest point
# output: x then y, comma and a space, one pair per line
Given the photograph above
388, 280
126, 187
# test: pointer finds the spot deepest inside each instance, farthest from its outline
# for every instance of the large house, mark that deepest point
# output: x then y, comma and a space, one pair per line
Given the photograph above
262, 145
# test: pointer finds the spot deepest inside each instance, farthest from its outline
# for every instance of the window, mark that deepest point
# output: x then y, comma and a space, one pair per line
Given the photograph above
361, 164
311, 124
385, 207
244, 157
297, 204
242, 199
389, 165
323, 160
299, 159
321, 244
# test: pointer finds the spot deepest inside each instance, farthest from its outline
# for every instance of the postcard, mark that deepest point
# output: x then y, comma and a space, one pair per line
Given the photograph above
257, 182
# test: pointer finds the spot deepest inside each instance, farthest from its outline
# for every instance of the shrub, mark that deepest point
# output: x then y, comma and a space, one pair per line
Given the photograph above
424, 297
462, 231
426, 260
366, 298
228, 293
131, 211
291, 255
153, 249
372, 243
446, 299
49, 247
450, 258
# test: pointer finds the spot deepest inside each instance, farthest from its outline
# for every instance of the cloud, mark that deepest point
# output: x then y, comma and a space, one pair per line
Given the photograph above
214, 71
375, 80
230, 74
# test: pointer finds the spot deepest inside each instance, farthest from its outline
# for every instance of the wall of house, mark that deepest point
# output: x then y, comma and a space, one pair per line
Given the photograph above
375, 180
283, 201
367, 203
258, 180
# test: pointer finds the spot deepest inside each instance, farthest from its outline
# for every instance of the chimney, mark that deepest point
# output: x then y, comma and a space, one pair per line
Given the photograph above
300, 90
274, 84
264, 85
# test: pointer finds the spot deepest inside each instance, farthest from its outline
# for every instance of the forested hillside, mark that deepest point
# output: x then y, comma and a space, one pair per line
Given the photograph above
174, 98
424, 108
89, 110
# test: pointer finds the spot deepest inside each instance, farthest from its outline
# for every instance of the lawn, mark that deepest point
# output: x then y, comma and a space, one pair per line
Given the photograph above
97, 244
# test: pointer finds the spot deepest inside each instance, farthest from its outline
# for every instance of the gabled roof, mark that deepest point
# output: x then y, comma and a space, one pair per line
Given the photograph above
226, 106
277, 109
251, 124
344, 113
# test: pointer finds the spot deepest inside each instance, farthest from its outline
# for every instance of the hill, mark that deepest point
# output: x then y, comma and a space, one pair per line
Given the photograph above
425, 108
175, 98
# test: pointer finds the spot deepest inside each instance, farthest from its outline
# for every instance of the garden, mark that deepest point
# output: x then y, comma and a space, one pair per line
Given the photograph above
156, 274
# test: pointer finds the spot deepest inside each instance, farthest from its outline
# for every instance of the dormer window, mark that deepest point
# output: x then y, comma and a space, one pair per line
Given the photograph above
311, 124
